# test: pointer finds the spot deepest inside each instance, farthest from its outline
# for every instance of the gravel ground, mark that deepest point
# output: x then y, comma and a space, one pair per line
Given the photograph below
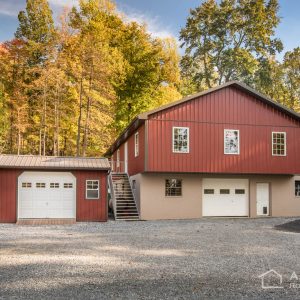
191, 259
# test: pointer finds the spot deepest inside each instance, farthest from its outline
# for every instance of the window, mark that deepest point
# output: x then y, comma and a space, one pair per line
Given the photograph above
26, 184
278, 143
92, 189
136, 144
68, 185
239, 191
40, 185
231, 141
297, 188
209, 191
54, 185
118, 158
180, 139
133, 185
173, 187
224, 191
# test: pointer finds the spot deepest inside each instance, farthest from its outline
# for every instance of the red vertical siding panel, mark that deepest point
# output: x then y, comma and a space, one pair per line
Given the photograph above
8, 195
91, 210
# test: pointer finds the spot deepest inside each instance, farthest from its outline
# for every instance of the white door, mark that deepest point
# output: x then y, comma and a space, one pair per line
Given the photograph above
126, 158
262, 199
225, 197
46, 195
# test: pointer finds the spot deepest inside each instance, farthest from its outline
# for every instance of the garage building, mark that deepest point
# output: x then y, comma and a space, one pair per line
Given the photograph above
225, 152
47, 187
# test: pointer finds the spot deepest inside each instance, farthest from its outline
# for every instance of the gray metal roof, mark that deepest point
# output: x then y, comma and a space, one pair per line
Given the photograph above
53, 162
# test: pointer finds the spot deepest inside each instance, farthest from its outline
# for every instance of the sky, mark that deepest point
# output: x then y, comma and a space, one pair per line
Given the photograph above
164, 17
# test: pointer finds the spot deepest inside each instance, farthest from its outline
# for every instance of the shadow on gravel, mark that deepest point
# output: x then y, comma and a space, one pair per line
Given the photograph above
293, 226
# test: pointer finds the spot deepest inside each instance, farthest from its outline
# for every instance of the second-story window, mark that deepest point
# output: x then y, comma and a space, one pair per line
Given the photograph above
231, 141
118, 158
136, 144
279, 143
180, 139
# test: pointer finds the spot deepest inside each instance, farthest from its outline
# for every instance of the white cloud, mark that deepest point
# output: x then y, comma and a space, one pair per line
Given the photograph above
62, 3
153, 23
11, 7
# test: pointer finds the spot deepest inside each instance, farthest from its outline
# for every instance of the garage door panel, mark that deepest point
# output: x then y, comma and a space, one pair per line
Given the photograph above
225, 197
46, 197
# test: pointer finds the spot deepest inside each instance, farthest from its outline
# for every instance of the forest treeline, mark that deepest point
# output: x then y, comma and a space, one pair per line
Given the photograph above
70, 87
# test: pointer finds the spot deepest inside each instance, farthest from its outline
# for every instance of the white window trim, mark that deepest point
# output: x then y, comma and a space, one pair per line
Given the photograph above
86, 189
188, 139
181, 196
118, 158
295, 188
238, 141
136, 144
285, 146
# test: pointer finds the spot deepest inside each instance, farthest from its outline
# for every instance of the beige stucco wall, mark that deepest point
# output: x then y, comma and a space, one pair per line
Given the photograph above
283, 202
154, 205
137, 192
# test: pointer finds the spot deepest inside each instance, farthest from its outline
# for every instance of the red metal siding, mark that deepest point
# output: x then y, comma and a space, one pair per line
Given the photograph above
207, 118
8, 195
91, 210
86, 210
135, 164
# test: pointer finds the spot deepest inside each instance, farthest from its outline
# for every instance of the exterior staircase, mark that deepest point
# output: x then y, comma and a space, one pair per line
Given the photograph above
124, 204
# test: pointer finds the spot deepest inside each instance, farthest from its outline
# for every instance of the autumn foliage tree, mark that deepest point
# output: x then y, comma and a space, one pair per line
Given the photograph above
70, 89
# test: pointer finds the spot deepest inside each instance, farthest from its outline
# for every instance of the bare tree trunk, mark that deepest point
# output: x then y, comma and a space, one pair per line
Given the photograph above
56, 120
80, 116
88, 113
44, 122
40, 142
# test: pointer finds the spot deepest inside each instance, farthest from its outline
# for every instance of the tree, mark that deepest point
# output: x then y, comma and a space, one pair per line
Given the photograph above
224, 39
152, 71
291, 70
36, 30
94, 65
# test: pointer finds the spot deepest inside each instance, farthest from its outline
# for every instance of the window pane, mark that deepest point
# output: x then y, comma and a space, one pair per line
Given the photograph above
231, 141
40, 185
180, 139
209, 191
173, 187
279, 143
68, 185
224, 191
92, 194
26, 184
240, 191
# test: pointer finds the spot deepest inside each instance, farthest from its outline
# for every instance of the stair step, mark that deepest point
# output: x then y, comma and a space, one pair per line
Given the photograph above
122, 209
128, 214
125, 208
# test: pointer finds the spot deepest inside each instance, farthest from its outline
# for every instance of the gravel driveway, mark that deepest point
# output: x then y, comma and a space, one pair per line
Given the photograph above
207, 259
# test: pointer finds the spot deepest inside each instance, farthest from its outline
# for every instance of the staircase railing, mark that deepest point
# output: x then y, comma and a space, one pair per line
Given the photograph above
133, 195
117, 166
112, 193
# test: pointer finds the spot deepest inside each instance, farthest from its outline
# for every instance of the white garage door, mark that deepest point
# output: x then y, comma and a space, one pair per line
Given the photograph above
46, 195
225, 197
